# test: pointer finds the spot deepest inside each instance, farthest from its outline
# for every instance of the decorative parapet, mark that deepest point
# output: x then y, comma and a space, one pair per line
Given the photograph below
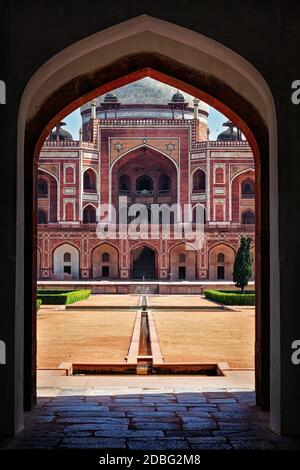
221, 144
146, 122
69, 143
192, 123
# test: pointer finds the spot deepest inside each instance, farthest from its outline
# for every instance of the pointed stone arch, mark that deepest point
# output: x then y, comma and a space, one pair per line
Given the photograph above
146, 46
89, 214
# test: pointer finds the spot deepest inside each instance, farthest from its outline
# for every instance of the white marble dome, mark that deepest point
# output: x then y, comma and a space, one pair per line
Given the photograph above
147, 91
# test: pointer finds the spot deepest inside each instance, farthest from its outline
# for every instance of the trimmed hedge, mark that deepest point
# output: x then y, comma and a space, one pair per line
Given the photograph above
237, 292
54, 291
231, 297
38, 303
62, 297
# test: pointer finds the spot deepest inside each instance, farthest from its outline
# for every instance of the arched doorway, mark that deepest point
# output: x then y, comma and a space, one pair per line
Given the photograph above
248, 217
105, 262
42, 217
89, 214
182, 263
199, 181
221, 262
241, 94
242, 183
144, 183
66, 262
143, 263
89, 181
47, 189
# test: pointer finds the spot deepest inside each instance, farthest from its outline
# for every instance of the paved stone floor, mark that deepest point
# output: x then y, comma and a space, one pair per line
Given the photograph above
157, 419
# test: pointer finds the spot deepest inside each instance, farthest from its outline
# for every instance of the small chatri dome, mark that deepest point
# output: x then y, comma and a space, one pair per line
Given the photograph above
229, 134
178, 97
110, 98
62, 133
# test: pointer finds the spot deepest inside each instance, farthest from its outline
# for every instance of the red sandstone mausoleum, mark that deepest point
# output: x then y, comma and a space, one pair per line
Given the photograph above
151, 145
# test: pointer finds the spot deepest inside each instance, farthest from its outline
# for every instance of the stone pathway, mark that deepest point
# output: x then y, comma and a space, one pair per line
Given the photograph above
148, 420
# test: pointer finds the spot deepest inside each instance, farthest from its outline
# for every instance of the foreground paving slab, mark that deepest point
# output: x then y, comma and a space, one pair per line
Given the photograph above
173, 443
92, 443
176, 420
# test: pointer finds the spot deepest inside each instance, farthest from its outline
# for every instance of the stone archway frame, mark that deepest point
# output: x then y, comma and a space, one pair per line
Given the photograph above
146, 46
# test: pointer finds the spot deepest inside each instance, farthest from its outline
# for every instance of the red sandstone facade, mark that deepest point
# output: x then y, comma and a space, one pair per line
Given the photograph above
150, 161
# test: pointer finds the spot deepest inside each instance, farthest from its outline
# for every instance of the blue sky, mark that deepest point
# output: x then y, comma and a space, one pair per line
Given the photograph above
73, 122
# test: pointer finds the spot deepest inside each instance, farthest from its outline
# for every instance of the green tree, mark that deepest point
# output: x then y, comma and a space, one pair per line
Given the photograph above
243, 264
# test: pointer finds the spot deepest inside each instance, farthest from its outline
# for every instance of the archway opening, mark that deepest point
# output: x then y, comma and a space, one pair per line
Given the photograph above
143, 263
221, 262
199, 179
47, 189
89, 181
144, 183
65, 262
148, 171
183, 263
89, 215
105, 262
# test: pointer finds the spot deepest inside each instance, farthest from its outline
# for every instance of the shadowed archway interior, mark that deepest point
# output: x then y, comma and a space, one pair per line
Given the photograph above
143, 263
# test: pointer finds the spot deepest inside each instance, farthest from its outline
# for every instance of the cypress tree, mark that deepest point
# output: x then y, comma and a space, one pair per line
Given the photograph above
243, 264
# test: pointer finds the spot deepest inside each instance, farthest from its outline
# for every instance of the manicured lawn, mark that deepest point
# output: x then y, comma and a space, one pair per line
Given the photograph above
83, 336
207, 336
